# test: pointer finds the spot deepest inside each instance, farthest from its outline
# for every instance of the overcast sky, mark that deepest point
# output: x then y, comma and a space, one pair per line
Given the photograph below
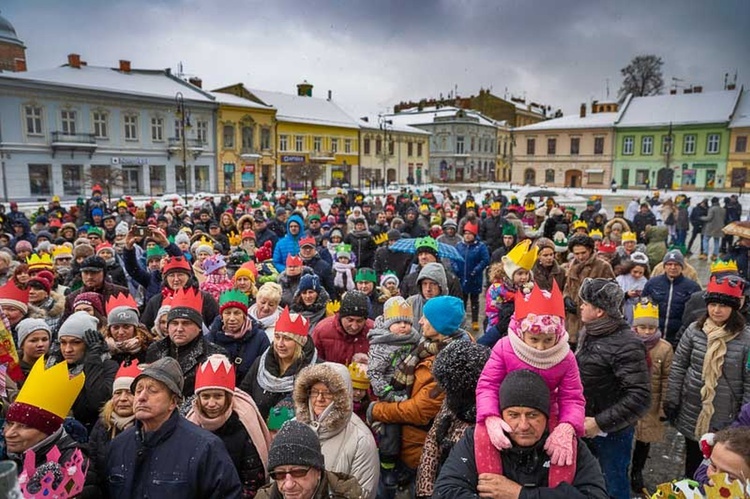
374, 53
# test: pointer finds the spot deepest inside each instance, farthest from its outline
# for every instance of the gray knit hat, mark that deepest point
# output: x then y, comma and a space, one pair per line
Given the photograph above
602, 293
354, 304
28, 326
123, 315
295, 444
674, 256
166, 370
77, 324
396, 309
524, 388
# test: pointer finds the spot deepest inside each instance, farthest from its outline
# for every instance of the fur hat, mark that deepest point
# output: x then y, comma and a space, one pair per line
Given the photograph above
83, 251
457, 369
602, 293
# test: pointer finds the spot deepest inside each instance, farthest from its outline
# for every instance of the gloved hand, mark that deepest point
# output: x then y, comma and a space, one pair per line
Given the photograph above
671, 412
368, 415
95, 343
497, 429
560, 443
570, 305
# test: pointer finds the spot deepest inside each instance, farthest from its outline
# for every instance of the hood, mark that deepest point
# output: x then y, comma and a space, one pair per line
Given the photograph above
320, 302
379, 334
296, 217
436, 272
243, 219
336, 377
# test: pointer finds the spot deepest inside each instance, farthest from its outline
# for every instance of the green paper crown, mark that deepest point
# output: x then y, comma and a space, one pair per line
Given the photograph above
278, 416
426, 243
344, 248
155, 252
510, 230
233, 296
366, 274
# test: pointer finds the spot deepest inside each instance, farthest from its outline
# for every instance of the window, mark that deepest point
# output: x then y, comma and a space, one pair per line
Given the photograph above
202, 180
157, 129
410, 149
298, 142
131, 179
529, 176
549, 176
472, 144
367, 146
378, 147
131, 127
157, 179
347, 146
419, 148
575, 146
317, 144
334, 146
40, 180
459, 145
647, 145
247, 138
688, 144
740, 145
666, 144
596, 177
228, 136
201, 132
598, 145
72, 180
265, 138
627, 144
33, 120
101, 130
68, 121
641, 176
530, 147
283, 142
391, 147
551, 146
178, 129
712, 145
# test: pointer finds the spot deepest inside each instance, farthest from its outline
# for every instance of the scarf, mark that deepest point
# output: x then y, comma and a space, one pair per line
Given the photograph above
713, 365
197, 416
247, 326
271, 383
403, 378
650, 342
267, 322
133, 345
120, 423
540, 359
340, 269
600, 327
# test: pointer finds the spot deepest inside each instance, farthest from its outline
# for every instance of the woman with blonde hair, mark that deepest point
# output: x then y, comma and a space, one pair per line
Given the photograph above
266, 308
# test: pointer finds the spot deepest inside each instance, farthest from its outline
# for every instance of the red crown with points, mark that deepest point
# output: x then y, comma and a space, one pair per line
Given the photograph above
188, 298
307, 241
293, 261
11, 293
215, 373
726, 286
291, 323
541, 303
120, 300
131, 370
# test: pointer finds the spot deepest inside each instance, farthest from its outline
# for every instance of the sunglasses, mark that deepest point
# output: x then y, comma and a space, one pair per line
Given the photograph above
294, 473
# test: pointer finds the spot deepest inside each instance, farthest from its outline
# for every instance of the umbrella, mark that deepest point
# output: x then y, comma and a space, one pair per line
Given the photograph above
444, 250
541, 193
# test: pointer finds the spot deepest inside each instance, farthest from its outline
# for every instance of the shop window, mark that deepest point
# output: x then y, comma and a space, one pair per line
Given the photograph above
40, 180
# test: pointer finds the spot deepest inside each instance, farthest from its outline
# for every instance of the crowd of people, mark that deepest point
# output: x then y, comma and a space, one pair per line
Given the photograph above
276, 345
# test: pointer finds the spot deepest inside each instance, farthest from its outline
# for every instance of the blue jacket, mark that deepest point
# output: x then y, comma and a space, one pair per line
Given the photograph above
243, 352
671, 296
180, 460
470, 272
289, 244
150, 280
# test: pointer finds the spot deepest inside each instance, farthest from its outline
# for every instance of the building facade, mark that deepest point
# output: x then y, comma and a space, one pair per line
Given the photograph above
504, 162
12, 49
738, 162
395, 153
68, 128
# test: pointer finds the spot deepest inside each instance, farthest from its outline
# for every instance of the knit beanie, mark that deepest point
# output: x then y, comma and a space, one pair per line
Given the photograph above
674, 256
602, 293
23, 245
388, 277
445, 314
167, 370
42, 281
354, 304
295, 444
123, 315
27, 326
396, 309
309, 281
77, 324
358, 374
92, 299
457, 369
181, 237
524, 388
121, 229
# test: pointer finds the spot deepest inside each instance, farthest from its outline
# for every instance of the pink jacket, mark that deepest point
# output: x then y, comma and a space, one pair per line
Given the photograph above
496, 293
567, 404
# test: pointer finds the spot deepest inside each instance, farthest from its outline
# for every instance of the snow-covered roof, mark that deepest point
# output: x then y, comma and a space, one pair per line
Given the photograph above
679, 109
137, 82
310, 110
427, 116
597, 120
741, 118
234, 100
373, 123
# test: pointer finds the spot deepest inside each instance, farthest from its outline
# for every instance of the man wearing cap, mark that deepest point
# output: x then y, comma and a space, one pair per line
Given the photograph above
262, 232
525, 467
308, 251
427, 252
387, 259
671, 291
164, 455
94, 280
339, 337
289, 244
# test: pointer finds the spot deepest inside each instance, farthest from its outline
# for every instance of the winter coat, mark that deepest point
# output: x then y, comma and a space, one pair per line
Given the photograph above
471, 271
563, 381
656, 244
671, 295
395, 261
387, 350
650, 428
97, 448
53, 308
189, 356
241, 352
491, 232
287, 245
363, 247
415, 414
593, 267
332, 486
336, 345
179, 460
459, 477
641, 220
714, 222
322, 269
315, 312
347, 444
543, 276
686, 381
243, 453
209, 312
696, 216
615, 378
265, 235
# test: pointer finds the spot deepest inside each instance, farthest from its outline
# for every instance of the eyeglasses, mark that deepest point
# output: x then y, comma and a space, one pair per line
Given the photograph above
280, 475
325, 395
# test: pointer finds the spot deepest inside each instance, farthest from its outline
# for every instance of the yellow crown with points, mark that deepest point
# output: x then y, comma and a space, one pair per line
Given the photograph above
332, 307
380, 238
619, 209
629, 236
234, 239
580, 224
52, 390
646, 311
596, 233
37, 262
724, 266
522, 256
206, 241
61, 251
398, 308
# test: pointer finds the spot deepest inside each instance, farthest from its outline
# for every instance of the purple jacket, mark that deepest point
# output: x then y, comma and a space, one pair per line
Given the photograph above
567, 404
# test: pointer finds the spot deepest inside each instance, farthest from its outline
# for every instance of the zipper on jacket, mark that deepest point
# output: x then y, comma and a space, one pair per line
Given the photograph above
669, 306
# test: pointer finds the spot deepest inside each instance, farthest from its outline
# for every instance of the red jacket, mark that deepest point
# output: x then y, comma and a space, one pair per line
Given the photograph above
335, 345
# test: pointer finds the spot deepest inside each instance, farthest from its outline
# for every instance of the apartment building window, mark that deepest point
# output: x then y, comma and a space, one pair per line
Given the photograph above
391, 147
101, 129
283, 142
68, 121
575, 146
265, 139
317, 144
298, 143
688, 144
131, 127
472, 144
157, 175
551, 146
178, 129
459, 145
33, 120
157, 129
531, 147
713, 143
72, 180
740, 145
40, 180
627, 144
666, 144
419, 149
247, 138
549, 176
347, 146
334, 146
598, 145
367, 146
410, 149
378, 147
201, 132
228, 136
201, 178
647, 145
596, 177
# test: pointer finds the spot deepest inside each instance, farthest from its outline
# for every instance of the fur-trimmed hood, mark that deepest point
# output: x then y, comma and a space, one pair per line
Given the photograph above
244, 218
337, 415
56, 308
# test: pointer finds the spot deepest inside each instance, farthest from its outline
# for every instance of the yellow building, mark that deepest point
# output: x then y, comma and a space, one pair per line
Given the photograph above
738, 162
398, 153
504, 152
245, 141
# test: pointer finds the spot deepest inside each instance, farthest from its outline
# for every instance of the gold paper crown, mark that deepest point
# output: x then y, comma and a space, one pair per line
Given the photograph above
494, 206
596, 233
580, 224
358, 373
522, 256
51, 389
380, 238
724, 266
234, 239
206, 241
619, 209
629, 236
39, 262
398, 308
61, 250
646, 311
332, 307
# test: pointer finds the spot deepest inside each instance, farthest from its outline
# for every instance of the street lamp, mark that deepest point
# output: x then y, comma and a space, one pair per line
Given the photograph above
184, 115
383, 125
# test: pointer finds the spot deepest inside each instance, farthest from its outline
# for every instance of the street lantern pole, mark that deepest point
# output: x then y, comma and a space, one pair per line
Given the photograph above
184, 122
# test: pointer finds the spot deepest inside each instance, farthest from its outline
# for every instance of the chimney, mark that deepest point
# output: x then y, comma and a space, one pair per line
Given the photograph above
731, 86
20, 65
74, 61
697, 89
688, 90
583, 110
124, 66
672, 91
196, 82
330, 95
304, 89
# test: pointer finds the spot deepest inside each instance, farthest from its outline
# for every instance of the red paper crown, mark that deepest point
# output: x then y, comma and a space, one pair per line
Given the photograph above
726, 286
541, 303
11, 293
293, 261
176, 263
188, 298
291, 325
131, 370
120, 300
215, 373
307, 241
248, 234
607, 247
104, 245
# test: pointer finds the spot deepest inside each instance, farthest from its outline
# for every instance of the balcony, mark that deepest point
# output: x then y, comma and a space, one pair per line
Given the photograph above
248, 153
322, 156
193, 147
73, 142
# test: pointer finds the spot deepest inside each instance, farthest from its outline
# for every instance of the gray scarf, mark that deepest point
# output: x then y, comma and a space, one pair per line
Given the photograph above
271, 383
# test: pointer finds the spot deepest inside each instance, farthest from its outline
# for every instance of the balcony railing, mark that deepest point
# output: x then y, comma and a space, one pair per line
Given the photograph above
194, 147
73, 142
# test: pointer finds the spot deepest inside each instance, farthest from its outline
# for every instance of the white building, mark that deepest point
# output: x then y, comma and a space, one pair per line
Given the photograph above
398, 153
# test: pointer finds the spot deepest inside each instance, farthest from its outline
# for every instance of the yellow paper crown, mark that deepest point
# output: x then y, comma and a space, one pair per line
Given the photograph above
721, 487
206, 241
645, 311
61, 251
52, 390
495, 205
359, 377
580, 224
398, 308
380, 238
522, 256
629, 236
39, 262
596, 233
332, 307
234, 239
619, 209
724, 266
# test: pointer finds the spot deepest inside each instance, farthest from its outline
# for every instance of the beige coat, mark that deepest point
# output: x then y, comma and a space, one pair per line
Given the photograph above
649, 427
593, 267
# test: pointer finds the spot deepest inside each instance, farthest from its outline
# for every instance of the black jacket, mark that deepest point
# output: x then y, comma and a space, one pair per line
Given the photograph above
409, 284
242, 352
97, 389
491, 232
243, 453
363, 247
395, 261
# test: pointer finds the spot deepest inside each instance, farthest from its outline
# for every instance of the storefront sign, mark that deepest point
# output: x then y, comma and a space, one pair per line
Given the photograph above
292, 158
125, 161
248, 168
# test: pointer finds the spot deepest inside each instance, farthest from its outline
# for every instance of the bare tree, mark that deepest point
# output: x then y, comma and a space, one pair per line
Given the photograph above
642, 77
108, 178
303, 172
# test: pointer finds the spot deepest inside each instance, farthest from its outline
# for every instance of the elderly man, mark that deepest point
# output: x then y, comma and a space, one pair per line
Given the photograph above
165, 455
525, 469
671, 291
339, 337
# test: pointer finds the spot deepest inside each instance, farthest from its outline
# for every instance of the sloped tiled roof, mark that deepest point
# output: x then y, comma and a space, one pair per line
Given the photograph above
303, 109
679, 109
